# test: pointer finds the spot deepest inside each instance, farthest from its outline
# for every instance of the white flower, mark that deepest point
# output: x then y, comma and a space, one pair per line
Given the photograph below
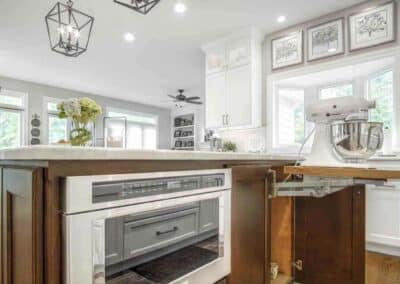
72, 107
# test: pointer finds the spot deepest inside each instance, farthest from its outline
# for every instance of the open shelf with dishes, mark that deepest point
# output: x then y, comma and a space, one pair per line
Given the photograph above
183, 135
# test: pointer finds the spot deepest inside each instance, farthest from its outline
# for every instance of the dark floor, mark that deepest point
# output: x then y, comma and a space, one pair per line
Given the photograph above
170, 267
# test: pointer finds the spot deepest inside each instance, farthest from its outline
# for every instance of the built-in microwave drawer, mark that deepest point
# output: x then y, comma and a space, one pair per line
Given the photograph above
146, 235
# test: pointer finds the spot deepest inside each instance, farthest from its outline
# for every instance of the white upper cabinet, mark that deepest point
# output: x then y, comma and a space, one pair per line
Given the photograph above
233, 82
215, 60
238, 52
238, 84
215, 103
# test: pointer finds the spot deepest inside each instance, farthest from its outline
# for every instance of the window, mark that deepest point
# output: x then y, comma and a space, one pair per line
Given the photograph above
141, 132
12, 118
57, 128
290, 122
380, 88
336, 91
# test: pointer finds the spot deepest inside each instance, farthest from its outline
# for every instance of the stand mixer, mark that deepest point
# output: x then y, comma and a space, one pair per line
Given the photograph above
343, 135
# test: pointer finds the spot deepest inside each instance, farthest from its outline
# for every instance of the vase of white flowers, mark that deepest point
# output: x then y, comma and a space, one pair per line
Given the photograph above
81, 112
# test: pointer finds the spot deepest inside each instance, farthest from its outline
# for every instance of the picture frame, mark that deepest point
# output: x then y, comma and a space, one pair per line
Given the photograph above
287, 50
326, 40
373, 26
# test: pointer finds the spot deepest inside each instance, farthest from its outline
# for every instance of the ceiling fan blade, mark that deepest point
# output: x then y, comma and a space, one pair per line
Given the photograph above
196, 103
171, 96
192, 98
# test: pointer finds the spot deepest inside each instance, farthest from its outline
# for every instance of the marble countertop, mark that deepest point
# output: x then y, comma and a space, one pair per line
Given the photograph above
46, 153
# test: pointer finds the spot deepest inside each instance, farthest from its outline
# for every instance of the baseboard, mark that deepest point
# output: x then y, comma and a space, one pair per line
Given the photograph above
383, 249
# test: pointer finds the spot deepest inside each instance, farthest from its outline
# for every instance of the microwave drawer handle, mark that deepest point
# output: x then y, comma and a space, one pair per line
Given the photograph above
174, 229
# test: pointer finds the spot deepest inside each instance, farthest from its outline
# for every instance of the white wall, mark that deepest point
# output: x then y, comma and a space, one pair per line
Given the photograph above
36, 92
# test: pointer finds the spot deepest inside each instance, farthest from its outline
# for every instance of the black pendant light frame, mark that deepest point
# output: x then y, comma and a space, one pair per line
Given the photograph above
67, 46
140, 6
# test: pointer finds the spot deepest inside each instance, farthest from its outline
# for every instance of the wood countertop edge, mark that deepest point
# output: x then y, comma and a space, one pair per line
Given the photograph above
361, 173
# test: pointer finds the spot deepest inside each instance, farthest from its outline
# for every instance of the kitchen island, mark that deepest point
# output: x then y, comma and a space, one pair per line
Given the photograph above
31, 202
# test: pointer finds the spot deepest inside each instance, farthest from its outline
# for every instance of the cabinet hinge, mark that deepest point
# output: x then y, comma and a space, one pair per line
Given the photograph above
298, 264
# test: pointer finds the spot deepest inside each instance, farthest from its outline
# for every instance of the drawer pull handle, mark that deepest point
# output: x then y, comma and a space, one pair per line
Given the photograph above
174, 229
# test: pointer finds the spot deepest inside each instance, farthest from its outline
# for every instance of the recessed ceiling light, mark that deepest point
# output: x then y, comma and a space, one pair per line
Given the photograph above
180, 7
129, 37
281, 19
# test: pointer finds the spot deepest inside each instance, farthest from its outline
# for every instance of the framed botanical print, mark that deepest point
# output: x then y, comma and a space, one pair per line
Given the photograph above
325, 40
287, 50
373, 26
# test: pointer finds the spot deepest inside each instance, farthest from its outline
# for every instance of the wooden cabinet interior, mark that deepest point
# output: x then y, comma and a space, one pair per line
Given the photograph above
320, 240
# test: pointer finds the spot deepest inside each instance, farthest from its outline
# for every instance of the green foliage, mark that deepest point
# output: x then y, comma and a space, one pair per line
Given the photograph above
57, 129
229, 146
82, 111
9, 129
299, 123
381, 90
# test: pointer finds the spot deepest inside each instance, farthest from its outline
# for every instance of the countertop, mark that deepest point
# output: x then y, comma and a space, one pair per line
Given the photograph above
371, 173
47, 153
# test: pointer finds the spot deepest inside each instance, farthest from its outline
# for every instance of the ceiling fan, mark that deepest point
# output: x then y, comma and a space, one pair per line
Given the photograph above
180, 97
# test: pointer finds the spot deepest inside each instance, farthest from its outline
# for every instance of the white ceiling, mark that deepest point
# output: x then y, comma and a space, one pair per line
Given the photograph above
165, 56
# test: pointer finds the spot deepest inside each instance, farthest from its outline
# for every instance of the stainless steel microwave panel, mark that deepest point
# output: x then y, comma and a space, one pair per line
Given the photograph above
78, 191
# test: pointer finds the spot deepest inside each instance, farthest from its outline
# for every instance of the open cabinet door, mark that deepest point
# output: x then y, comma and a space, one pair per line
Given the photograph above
329, 238
250, 224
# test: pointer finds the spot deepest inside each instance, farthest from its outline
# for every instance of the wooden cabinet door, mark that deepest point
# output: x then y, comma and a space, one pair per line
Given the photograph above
22, 226
329, 238
250, 228
239, 100
215, 100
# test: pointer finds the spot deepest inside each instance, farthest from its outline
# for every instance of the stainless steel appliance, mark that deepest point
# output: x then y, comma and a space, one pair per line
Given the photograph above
343, 134
166, 227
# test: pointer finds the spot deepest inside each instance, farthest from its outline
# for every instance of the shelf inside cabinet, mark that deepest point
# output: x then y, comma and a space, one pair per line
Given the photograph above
184, 126
184, 137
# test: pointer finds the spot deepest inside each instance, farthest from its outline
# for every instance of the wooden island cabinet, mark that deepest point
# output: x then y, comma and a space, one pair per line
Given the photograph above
312, 240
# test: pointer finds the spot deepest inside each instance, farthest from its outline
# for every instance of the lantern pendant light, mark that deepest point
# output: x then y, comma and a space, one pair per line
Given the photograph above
69, 29
140, 6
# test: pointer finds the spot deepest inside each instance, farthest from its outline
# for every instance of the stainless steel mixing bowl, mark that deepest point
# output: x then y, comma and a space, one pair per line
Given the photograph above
356, 140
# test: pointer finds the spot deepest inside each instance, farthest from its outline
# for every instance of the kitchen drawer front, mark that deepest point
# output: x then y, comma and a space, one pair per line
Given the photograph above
146, 235
159, 212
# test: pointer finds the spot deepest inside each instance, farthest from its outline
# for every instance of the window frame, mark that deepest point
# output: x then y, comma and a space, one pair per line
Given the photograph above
284, 148
335, 85
23, 110
396, 101
273, 79
142, 125
46, 115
